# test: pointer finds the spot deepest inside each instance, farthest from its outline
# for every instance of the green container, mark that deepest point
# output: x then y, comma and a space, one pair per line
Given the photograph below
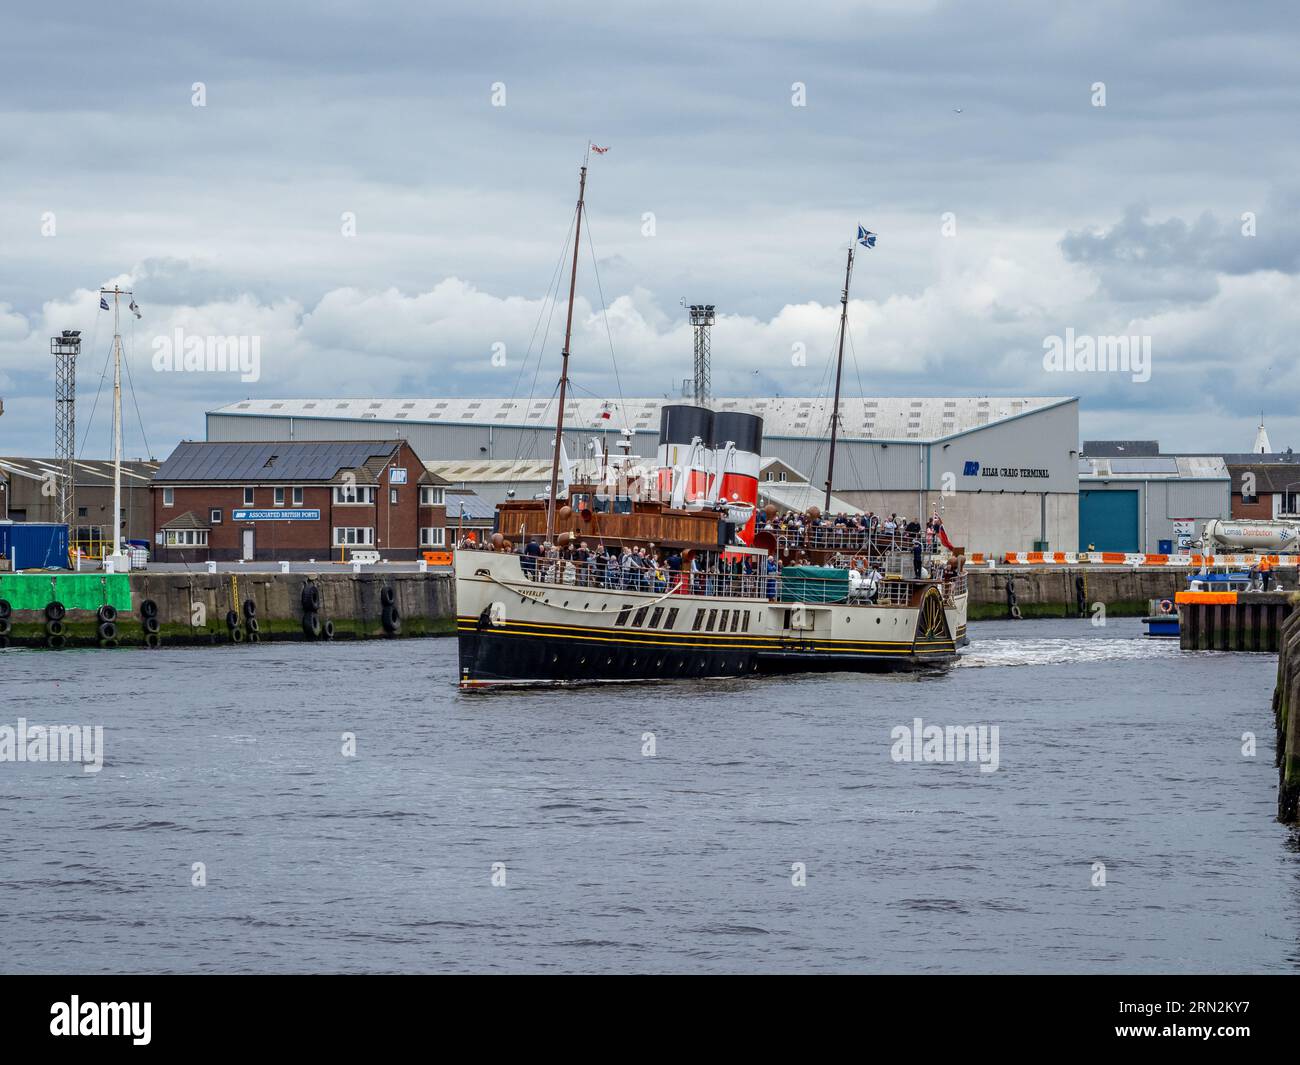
814, 584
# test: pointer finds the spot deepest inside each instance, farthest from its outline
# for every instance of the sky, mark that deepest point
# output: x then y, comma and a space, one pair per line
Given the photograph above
379, 197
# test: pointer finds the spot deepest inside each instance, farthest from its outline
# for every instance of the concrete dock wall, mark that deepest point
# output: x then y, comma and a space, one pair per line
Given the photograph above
192, 608
1053, 592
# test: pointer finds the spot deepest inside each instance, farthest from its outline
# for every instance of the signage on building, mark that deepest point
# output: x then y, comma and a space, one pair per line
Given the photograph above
974, 469
1184, 533
275, 515
397, 475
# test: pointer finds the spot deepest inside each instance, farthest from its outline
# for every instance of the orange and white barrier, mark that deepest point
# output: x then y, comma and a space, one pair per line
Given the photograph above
1126, 558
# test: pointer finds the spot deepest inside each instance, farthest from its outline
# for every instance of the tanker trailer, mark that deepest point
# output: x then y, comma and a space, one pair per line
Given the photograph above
1261, 537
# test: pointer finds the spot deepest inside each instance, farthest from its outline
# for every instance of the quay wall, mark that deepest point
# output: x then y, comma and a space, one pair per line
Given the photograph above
192, 608
1052, 592
1286, 715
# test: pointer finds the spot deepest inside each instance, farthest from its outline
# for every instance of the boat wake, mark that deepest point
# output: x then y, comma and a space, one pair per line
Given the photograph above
1063, 650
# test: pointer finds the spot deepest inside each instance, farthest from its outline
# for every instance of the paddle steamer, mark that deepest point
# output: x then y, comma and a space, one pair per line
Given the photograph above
732, 595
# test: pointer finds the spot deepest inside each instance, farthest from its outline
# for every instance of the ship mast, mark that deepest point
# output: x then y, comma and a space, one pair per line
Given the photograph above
839, 370
564, 361
117, 294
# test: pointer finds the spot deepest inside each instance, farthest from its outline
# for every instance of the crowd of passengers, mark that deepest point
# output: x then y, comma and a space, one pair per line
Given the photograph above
650, 569
885, 532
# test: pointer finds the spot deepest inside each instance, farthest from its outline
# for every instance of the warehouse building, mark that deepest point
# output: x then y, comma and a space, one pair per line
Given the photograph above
1001, 472
296, 500
1134, 499
26, 494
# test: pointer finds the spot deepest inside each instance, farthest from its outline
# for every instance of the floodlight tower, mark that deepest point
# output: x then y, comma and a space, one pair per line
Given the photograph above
702, 323
65, 348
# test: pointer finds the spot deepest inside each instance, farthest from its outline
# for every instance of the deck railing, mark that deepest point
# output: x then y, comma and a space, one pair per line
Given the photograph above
889, 590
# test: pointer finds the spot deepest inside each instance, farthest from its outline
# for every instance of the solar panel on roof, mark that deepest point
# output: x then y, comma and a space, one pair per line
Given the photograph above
1144, 464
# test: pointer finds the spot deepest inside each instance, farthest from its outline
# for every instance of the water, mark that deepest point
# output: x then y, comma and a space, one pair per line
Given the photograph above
1112, 749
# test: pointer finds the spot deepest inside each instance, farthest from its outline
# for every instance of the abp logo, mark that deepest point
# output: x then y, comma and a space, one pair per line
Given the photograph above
972, 469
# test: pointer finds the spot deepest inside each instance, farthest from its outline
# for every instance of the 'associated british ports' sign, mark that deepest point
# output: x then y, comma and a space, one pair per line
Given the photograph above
275, 515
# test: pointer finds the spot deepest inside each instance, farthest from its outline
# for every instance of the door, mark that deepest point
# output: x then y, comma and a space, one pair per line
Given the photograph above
248, 545
1108, 520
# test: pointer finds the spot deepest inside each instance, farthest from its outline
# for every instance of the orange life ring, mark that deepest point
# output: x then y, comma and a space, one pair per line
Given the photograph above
1166, 607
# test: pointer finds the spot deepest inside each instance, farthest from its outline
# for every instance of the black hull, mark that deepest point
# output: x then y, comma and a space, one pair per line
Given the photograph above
494, 659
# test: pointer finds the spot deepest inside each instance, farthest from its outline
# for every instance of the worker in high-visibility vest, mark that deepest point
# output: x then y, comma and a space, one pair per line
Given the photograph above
1264, 573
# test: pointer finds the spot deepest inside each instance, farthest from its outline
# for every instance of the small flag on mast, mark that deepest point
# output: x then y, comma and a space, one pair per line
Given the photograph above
103, 303
134, 309
866, 238
599, 151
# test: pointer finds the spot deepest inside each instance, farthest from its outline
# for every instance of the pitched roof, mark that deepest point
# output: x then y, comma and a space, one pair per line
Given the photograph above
188, 520
1269, 476
287, 461
880, 418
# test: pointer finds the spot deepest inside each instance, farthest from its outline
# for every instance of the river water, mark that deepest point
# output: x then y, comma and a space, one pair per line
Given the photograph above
1111, 749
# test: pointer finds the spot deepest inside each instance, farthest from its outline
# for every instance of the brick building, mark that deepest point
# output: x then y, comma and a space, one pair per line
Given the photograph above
296, 500
1264, 486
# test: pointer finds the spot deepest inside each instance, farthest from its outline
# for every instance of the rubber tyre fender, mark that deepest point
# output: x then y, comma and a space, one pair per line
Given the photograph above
152, 639
54, 611
392, 620
5, 626
5, 609
54, 628
254, 626
311, 624
387, 597
232, 619
236, 635
148, 608
310, 597
107, 630
108, 642
327, 629
56, 641
151, 626
107, 612
4, 642
250, 608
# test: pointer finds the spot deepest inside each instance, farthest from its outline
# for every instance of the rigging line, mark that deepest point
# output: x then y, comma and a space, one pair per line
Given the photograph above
559, 264
130, 381
94, 406
604, 310
520, 443
875, 452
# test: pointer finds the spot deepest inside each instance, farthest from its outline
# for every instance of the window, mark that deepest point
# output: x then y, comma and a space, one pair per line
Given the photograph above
392, 496
214, 516
623, 614
745, 627
187, 537
735, 618
654, 618
672, 618
353, 536
639, 620
695, 625
297, 496
279, 497
431, 496
81, 512
169, 497
354, 493
433, 537
713, 617
783, 477
248, 497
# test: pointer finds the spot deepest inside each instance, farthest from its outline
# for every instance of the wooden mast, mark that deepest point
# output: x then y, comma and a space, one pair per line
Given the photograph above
839, 370
564, 361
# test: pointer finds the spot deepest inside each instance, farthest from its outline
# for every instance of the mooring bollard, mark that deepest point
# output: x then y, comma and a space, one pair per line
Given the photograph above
284, 567
212, 567
422, 566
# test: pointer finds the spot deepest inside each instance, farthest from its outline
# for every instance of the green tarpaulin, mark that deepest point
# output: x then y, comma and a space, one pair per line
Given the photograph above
76, 591
814, 584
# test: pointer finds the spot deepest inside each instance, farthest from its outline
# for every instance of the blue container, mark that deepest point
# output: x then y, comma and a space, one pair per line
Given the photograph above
34, 544
1166, 547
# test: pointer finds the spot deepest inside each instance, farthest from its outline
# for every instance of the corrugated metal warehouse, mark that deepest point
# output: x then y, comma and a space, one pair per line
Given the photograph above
1149, 503
1002, 472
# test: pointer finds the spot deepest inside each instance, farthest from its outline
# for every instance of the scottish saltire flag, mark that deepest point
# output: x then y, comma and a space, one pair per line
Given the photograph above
134, 309
598, 150
866, 238
103, 303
